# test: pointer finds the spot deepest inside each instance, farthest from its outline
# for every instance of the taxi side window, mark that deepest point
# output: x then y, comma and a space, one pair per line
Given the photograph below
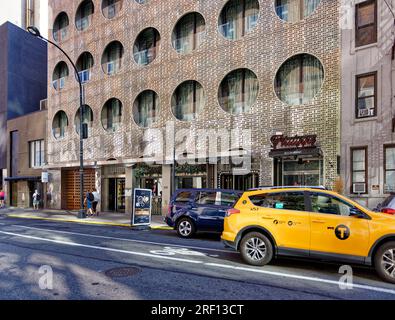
322, 203
281, 200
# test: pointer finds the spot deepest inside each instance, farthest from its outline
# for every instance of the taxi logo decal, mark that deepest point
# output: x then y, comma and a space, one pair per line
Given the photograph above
342, 232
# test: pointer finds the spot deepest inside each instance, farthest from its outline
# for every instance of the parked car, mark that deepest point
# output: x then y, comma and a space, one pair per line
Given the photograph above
193, 210
310, 223
387, 206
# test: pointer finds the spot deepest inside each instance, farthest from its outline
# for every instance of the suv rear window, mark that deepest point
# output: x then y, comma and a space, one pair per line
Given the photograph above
280, 200
183, 196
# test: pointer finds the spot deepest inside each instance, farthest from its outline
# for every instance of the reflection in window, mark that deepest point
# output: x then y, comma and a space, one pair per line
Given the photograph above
281, 200
111, 115
238, 91
366, 23
322, 203
188, 100
111, 8
366, 96
295, 10
87, 116
59, 125
36, 153
145, 109
238, 17
188, 33
146, 46
359, 166
60, 27
112, 58
84, 66
389, 178
299, 79
84, 14
59, 75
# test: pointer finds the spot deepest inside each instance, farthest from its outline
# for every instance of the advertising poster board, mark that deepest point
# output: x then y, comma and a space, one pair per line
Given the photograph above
142, 204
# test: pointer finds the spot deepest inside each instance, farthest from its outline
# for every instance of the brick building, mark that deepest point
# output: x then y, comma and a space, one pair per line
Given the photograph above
270, 69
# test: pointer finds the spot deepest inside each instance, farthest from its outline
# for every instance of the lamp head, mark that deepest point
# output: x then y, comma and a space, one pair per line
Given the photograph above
34, 31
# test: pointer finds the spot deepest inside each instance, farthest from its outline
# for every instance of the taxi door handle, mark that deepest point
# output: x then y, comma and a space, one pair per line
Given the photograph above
267, 217
318, 221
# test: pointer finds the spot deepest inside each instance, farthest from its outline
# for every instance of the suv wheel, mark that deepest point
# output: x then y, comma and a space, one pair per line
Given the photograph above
185, 228
384, 261
256, 249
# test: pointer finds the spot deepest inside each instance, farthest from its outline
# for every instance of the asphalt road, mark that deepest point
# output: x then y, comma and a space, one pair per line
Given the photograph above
94, 262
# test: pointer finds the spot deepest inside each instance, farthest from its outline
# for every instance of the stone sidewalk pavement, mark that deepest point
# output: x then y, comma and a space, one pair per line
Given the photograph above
104, 218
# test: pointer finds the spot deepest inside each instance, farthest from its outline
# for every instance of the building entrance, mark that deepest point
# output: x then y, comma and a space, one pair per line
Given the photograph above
116, 194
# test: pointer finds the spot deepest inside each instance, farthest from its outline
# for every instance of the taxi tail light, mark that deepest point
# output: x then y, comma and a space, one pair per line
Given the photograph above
229, 212
388, 211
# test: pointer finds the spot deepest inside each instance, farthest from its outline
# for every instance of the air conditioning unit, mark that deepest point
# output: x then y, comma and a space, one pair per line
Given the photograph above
365, 112
359, 187
43, 104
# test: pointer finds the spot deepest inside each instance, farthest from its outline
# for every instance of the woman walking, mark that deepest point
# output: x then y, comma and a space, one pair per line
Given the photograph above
2, 197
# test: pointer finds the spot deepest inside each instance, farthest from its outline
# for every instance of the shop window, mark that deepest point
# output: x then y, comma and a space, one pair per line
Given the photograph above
389, 169
87, 116
84, 65
299, 79
146, 46
295, 10
188, 100
60, 27
59, 125
238, 17
366, 95
83, 17
36, 153
60, 73
112, 58
365, 23
238, 91
359, 169
146, 108
188, 33
111, 8
111, 115
281, 200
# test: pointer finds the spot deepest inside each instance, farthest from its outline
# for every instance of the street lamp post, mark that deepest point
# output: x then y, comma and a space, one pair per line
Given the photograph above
36, 33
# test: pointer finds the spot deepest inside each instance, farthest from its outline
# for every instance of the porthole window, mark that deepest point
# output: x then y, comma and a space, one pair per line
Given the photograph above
238, 17
146, 46
111, 8
59, 75
111, 115
188, 33
141, 1
59, 125
295, 10
112, 58
299, 79
84, 65
146, 108
238, 91
188, 100
87, 116
60, 27
83, 18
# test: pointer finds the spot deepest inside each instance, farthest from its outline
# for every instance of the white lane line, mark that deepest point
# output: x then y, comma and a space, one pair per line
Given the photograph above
75, 244
293, 276
123, 239
284, 275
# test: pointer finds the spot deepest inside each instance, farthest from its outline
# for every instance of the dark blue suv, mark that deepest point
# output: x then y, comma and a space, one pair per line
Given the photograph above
192, 210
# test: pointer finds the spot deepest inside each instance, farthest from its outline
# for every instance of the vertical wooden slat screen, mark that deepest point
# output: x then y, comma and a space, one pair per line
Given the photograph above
71, 187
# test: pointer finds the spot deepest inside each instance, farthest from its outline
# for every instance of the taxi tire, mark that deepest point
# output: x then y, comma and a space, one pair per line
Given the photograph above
377, 261
269, 249
190, 222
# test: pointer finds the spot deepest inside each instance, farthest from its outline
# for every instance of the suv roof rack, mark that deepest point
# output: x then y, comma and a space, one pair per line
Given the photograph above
287, 187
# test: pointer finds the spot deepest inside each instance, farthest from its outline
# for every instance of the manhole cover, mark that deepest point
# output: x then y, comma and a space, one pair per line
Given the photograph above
122, 272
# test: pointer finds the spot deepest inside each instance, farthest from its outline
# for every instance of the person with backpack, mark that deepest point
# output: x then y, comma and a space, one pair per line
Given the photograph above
89, 200
95, 201
36, 200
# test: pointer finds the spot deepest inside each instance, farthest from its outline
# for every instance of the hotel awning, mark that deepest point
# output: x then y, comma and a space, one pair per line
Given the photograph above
15, 179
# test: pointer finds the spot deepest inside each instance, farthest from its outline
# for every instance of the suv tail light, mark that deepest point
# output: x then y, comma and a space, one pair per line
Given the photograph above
229, 212
388, 211
169, 210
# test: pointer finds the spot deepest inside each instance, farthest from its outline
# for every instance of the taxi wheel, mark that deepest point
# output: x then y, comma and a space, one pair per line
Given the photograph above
185, 228
384, 261
256, 249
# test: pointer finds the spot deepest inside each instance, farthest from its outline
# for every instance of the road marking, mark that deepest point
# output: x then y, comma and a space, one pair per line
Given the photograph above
75, 244
294, 276
284, 275
123, 239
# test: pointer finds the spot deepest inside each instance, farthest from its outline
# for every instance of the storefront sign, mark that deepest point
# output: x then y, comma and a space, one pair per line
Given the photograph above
142, 205
280, 142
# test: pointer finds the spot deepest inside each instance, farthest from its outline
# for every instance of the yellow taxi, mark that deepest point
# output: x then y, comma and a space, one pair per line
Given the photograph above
310, 222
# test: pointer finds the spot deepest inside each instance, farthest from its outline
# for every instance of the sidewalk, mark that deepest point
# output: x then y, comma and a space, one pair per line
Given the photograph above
104, 218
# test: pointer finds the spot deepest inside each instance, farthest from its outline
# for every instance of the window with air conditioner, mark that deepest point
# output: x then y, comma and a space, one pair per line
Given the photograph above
366, 98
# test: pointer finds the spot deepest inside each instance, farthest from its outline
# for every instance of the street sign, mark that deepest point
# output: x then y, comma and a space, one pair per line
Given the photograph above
44, 177
142, 207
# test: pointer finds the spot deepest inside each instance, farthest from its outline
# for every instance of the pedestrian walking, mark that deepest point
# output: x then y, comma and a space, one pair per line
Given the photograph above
96, 200
2, 198
88, 201
36, 199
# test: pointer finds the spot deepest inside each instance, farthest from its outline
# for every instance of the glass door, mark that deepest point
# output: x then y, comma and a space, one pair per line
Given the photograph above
302, 172
121, 203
